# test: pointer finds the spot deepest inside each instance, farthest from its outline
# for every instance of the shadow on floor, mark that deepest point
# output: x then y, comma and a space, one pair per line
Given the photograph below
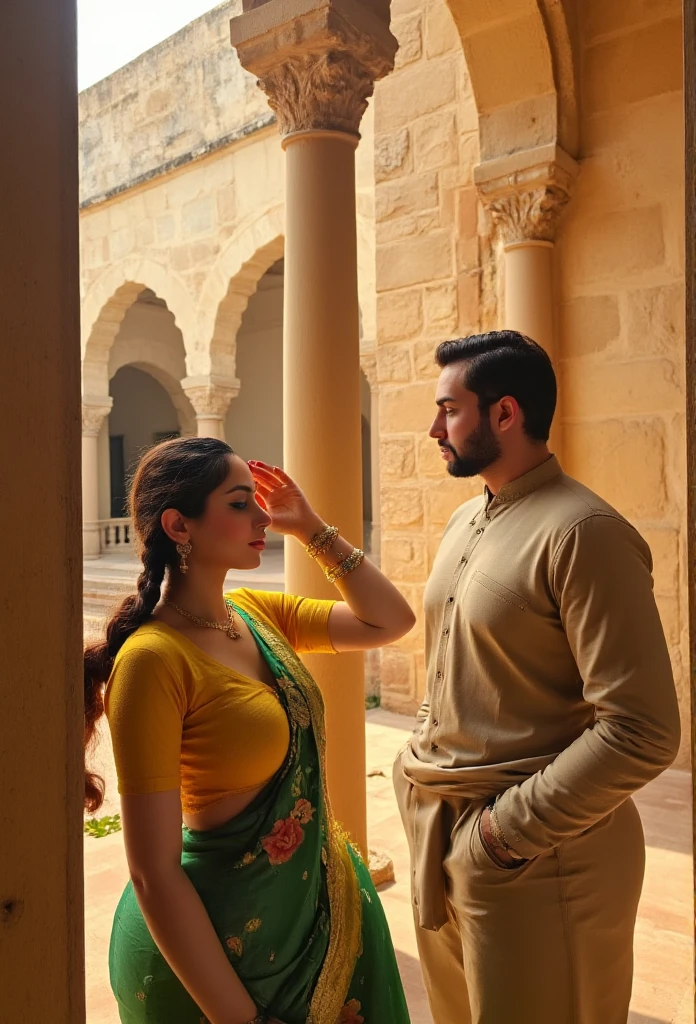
412, 980
639, 1018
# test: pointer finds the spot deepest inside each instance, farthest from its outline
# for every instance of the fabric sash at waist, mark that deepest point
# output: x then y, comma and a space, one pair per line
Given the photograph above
472, 783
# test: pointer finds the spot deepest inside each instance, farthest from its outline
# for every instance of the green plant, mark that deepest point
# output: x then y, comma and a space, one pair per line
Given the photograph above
98, 827
372, 701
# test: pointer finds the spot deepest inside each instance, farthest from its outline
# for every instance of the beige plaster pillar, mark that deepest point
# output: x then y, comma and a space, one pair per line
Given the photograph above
317, 61
41, 713
525, 194
210, 398
94, 412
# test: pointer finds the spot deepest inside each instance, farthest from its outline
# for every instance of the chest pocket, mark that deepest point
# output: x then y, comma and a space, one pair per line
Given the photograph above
501, 592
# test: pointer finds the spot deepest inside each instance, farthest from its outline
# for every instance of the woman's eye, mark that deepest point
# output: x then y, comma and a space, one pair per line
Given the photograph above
238, 504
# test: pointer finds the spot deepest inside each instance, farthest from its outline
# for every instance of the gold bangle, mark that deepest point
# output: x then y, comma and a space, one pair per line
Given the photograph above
322, 542
346, 565
499, 835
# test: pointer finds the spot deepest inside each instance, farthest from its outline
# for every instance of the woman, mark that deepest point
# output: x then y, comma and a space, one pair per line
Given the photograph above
259, 910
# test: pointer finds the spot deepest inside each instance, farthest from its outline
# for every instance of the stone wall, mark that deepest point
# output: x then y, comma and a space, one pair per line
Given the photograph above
182, 188
620, 277
186, 96
428, 282
620, 263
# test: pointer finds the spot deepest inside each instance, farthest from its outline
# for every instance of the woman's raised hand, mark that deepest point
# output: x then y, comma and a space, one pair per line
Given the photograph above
285, 502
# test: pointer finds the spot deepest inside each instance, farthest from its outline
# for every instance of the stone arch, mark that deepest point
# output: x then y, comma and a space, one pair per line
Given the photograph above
250, 252
108, 300
520, 59
166, 373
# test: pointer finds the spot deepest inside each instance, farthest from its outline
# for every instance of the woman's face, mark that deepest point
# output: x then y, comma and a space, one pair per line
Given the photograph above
231, 531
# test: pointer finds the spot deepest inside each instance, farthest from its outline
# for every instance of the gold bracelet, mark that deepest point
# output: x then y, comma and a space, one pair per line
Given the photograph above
499, 835
346, 565
322, 542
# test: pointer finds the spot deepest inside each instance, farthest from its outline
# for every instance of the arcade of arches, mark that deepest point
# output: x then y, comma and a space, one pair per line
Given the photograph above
503, 178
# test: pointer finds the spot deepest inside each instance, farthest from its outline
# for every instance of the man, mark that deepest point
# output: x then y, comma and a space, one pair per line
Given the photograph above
549, 701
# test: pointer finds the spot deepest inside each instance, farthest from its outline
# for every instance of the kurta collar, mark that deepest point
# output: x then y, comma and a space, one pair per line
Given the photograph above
524, 485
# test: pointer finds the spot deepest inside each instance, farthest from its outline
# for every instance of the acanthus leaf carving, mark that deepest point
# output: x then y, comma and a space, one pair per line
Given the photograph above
208, 398
319, 92
318, 69
528, 215
94, 414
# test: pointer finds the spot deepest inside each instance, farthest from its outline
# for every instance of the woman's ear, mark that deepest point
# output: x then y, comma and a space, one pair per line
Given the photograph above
174, 525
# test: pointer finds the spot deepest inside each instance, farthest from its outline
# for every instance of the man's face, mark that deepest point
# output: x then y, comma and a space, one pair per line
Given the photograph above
466, 438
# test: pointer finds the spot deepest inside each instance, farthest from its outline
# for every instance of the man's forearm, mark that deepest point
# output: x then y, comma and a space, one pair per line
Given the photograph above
587, 781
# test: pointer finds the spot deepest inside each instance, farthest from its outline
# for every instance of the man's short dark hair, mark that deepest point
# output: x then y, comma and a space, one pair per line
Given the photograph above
504, 363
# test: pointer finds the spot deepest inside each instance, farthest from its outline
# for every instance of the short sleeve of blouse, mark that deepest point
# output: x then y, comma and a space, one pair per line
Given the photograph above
145, 707
303, 620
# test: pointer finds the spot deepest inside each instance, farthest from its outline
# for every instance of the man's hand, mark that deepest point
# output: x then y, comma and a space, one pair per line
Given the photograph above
493, 847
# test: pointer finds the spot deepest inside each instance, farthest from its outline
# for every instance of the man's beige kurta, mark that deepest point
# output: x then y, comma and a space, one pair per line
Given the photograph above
549, 679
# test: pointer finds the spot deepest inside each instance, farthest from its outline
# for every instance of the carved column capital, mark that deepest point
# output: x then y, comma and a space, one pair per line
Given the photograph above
95, 409
526, 193
316, 60
210, 396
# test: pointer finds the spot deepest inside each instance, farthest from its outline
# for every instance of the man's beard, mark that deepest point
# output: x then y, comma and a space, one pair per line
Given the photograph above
481, 451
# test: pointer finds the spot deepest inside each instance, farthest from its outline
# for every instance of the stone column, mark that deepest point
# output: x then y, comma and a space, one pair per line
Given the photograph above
317, 61
41, 713
368, 362
525, 195
94, 412
690, 233
210, 398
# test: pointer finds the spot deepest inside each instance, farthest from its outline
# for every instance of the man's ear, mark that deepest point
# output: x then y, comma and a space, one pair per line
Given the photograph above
508, 413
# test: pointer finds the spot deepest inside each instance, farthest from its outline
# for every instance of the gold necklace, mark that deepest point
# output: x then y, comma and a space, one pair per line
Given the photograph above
229, 627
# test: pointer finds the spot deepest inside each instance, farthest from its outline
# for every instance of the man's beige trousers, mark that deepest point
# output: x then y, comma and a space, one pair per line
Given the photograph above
550, 942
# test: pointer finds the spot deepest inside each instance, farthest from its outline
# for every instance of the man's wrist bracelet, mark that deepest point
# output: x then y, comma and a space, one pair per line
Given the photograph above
499, 835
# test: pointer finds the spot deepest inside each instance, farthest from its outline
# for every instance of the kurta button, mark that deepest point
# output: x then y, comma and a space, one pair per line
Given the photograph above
479, 530
446, 631
439, 675
433, 747
450, 600
435, 721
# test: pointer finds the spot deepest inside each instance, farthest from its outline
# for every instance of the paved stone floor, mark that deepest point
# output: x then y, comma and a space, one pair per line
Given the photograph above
664, 949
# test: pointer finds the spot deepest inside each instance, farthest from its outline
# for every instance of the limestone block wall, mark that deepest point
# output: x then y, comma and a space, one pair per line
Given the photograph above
619, 290
187, 95
428, 288
182, 192
620, 264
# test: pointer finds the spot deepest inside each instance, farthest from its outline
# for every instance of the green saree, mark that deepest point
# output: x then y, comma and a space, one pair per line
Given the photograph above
291, 901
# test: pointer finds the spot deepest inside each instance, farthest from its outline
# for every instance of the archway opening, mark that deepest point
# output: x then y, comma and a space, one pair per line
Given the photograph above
143, 414
254, 424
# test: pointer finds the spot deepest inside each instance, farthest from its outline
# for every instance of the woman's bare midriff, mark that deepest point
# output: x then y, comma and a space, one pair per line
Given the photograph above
221, 811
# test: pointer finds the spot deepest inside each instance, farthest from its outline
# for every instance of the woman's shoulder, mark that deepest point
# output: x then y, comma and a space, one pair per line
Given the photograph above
153, 644
267, 603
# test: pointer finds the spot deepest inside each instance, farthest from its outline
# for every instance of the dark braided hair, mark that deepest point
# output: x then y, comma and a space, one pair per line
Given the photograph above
178, 474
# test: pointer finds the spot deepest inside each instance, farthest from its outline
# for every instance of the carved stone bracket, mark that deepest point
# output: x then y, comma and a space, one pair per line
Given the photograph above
210, 396
526, 193
316, 60
94, 412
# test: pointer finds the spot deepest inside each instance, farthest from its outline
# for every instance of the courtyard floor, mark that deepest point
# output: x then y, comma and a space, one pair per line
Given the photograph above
664, 948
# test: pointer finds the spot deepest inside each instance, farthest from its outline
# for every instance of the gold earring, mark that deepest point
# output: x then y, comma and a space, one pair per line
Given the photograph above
183, 550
